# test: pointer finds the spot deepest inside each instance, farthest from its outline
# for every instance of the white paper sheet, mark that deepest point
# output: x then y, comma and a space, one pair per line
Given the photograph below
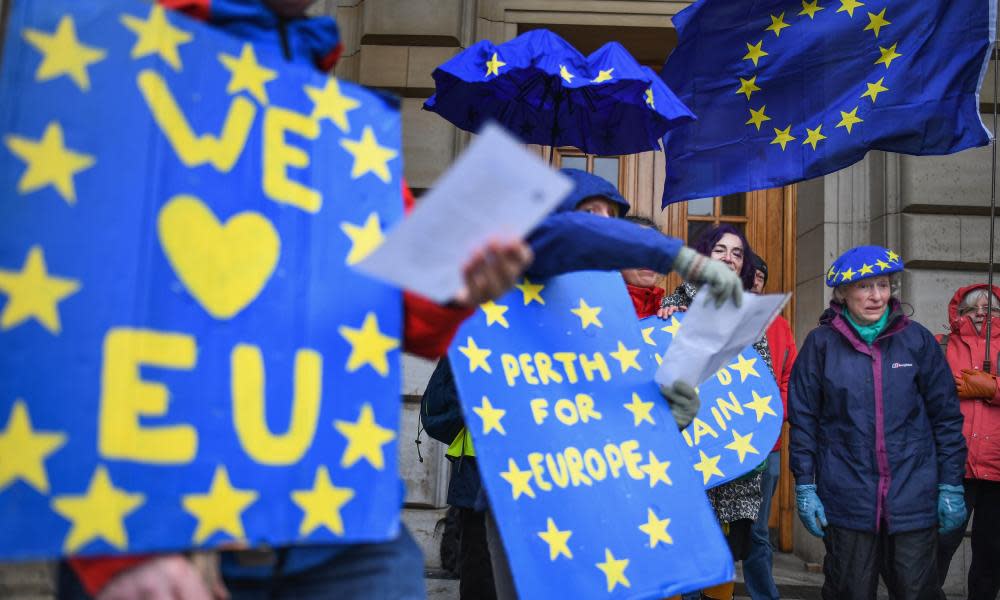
710, 337
495, 190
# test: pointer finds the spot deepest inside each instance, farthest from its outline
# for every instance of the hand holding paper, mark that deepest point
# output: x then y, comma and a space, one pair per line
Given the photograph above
496, 190
710, 336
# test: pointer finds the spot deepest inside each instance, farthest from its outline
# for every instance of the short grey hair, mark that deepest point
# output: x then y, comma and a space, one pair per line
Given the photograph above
895, 284
969, 299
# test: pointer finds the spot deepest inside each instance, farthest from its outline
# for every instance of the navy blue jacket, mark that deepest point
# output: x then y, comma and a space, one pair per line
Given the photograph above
878, 427
567, 241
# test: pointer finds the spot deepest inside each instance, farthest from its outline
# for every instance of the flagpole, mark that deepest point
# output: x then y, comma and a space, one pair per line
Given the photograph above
987, 363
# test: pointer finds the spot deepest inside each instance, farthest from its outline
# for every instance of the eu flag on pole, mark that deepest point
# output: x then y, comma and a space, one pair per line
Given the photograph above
786, 90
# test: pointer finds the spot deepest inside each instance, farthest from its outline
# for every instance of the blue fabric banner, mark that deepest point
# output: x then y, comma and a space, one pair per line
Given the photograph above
588, 478
786, 90
187, 357
741, 411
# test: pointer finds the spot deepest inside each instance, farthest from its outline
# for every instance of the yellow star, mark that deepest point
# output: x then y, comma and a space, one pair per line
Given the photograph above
782, 136
369, 346
656, 470
777, 24
531, 291
882, 266
848, 6
892, 256
754, 52
156, 35
365, 439
322, 504
245, 73
745, 367
760, 405
369, 156
364, 239
874, 89
614, 570
849, 119
329, 103
49, 162
587, 314
810, 8
556, 539
493, 65
656, 529
748, 86
97, 513
565, 74
221, 509
741, 445
477, 356
866, 269
814, 136
650, 101
641, 411
831, 273
626, 358
708, 467
63, 53
494, 313
32, 293
491, 416
673, 328
847, 275
520, 481
24, 450
888, 55
647, 335
757, 117
877, 22
603, 75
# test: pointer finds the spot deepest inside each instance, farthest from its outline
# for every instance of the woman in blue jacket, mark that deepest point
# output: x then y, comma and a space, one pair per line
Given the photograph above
876, 436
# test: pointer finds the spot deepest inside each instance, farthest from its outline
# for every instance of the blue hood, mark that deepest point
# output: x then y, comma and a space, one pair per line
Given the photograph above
586, 185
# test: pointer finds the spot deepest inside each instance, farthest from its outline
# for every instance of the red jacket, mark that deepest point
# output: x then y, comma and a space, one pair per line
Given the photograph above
781, 342
965, 350
427, 327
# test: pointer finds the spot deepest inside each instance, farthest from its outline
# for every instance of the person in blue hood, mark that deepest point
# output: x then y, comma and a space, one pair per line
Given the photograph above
876, 436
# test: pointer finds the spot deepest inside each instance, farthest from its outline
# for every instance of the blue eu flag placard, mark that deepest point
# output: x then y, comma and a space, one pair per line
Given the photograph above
188, 359
786, 90
590, 482
741, 411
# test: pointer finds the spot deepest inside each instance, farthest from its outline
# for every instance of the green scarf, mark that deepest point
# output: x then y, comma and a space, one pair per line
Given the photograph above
868, 332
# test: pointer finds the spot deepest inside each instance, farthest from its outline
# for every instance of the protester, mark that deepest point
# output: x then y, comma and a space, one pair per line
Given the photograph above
558, 248
736, 503
979, 400
758, 564
876, 436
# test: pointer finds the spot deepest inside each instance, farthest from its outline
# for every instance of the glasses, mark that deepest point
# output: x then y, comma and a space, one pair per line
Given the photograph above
722, 251
870, 287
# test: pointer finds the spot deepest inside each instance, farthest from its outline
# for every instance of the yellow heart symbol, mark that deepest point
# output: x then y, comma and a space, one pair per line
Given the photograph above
224, 266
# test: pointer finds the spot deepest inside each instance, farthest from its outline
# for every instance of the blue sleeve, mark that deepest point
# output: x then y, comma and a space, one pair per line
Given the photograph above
577, 241
805, 402
941, 402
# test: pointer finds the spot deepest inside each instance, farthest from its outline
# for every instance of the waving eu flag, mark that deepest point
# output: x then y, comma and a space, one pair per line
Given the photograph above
786, 90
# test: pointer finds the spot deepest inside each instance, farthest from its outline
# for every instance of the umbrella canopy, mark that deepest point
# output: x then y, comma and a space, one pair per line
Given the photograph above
543, 90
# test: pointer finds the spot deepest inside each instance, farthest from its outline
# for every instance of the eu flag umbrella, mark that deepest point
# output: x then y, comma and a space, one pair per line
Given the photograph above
545, 91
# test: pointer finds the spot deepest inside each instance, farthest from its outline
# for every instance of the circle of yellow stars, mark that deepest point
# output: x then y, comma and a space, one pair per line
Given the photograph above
814, 136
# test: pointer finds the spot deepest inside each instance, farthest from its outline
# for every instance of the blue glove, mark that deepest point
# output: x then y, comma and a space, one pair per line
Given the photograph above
811, 511
951, 507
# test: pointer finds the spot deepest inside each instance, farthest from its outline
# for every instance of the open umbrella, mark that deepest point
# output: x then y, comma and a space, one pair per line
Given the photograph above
542, 89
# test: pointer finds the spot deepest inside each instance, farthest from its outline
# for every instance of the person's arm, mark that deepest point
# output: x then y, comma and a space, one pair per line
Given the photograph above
788, 361
805, 401
440, 412
577, 241
937, 385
